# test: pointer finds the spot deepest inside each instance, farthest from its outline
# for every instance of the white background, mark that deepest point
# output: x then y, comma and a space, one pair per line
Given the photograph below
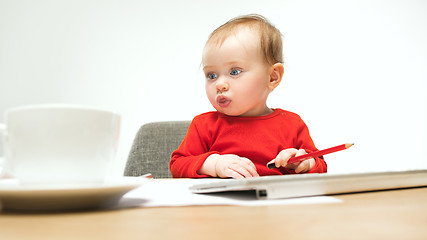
356, 71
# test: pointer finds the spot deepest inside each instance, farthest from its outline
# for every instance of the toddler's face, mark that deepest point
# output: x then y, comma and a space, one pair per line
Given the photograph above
237, 76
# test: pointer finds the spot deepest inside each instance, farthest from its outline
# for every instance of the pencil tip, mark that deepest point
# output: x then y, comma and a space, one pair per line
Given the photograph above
347, 145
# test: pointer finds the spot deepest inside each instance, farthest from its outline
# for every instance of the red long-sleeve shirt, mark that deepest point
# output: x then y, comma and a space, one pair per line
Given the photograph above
259, 139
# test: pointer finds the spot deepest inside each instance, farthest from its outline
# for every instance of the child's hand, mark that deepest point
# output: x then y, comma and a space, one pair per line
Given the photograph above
299, 167
229, 165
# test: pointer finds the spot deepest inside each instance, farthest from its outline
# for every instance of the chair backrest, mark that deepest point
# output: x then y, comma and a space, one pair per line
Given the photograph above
152, 148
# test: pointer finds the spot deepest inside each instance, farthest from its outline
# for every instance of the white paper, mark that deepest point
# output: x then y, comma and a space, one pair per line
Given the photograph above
175, 192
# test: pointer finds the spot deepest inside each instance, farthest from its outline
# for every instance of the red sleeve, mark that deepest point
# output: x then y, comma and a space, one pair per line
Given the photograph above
191, 154
305, 142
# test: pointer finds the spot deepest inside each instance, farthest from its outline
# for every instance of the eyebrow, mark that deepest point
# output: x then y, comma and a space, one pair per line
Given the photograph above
204, 67
226, 64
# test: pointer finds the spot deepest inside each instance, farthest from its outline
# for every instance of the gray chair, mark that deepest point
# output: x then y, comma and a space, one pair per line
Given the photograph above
152, 148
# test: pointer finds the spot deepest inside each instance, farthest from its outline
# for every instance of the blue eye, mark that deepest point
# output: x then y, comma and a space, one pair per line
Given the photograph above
212, 76
235, 72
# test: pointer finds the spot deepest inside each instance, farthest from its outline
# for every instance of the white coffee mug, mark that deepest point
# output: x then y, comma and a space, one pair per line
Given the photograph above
59, 144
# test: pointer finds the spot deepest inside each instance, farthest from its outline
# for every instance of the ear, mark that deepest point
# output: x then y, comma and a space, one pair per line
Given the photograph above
276, 75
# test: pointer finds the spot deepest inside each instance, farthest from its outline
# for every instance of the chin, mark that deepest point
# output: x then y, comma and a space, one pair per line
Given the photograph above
226, 112
232, 113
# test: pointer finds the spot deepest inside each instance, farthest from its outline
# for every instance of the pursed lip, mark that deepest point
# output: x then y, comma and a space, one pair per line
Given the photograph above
223, 101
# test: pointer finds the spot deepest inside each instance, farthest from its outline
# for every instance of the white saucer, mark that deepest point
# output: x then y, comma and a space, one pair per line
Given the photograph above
17, 197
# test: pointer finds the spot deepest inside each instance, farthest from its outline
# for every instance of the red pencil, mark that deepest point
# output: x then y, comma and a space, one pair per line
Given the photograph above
314, 154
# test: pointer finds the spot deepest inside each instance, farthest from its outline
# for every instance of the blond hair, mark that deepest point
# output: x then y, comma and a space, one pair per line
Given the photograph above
270, 36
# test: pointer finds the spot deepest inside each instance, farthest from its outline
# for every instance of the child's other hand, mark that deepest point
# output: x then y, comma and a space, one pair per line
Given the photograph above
230, 165
283, 157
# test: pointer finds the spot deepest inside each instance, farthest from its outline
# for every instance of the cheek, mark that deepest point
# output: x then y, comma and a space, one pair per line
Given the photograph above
210, 91
254, 88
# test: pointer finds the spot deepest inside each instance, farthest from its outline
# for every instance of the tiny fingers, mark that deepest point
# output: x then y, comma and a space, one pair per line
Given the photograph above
239, 168
302, 167
232, 173
300, 152
305, 166
249, 166
283, 157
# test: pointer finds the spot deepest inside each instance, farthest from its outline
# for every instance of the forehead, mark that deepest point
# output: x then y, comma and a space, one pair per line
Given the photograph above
244, 42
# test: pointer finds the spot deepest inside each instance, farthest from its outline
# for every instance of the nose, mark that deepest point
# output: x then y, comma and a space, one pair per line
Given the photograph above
221, 85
